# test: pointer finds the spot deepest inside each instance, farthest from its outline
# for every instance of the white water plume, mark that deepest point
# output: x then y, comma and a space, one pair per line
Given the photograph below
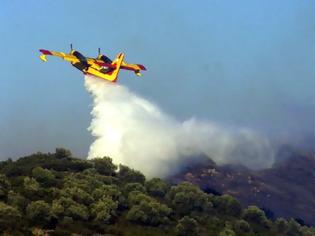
135, 132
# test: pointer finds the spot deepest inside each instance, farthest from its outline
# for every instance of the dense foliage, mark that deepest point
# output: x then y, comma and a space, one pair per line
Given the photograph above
56, 194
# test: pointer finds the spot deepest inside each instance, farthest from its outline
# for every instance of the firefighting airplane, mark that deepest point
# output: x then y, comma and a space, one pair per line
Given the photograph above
101, 67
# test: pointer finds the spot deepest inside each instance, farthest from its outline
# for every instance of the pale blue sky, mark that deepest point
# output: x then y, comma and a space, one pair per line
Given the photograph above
240, 63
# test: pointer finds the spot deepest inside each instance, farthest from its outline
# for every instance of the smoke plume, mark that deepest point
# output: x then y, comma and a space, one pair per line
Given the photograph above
135, 132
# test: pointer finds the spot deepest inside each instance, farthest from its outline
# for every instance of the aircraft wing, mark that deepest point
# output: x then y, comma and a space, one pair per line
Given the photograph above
65, 56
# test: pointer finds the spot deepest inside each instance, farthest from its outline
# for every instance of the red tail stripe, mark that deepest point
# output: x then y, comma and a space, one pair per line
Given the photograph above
132, 68
127, 68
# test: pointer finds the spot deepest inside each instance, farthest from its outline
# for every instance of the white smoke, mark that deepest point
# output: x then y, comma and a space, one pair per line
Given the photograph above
135, 132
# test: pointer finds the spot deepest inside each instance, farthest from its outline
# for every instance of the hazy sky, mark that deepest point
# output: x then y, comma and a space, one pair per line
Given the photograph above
240, 63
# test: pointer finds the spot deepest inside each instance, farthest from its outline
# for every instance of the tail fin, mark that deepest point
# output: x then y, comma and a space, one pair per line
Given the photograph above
111, 75
117, 62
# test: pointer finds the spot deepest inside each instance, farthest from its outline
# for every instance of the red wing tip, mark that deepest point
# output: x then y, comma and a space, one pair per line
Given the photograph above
45, 52
141, 67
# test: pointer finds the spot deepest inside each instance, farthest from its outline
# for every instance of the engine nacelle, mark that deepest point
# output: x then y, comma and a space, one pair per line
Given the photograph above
78, 55
83, 64
104, 59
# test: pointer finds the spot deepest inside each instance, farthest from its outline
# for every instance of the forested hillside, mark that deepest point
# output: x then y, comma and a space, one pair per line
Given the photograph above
57, 194
284, 190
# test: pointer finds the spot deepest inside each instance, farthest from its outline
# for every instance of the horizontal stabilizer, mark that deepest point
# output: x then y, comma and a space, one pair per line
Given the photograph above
43, 57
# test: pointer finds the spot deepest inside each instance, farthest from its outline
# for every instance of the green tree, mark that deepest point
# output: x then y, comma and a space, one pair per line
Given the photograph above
187, 227
308, 231
88, 180
95, 179
293, 228
128, 175
78, 212
30, 184
78, 195
65, 202
104, 210
241, 227
39, 212
136, 197
134, 187
227, 232
66, 221
104, 166
227, 205
67, 207
44, 176
4, 187
9, 217
111, 191
157, 187
17, 200
149, 212
186, 198
31, 188
62, 153
57, 210
281, 225
254, 215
